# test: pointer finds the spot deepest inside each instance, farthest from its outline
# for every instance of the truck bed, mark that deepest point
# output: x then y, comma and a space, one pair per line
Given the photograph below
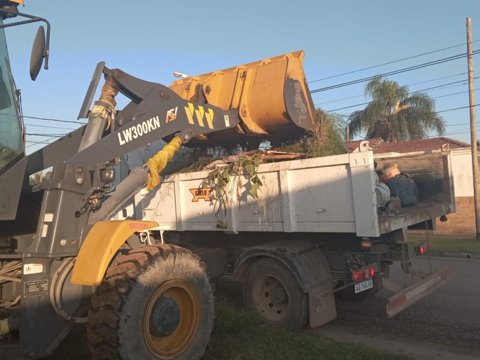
333, 194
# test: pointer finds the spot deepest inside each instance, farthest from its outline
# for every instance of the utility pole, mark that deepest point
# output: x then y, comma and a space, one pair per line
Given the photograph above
473, 130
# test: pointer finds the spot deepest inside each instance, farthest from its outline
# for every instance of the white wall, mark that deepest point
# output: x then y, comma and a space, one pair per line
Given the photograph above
462, 172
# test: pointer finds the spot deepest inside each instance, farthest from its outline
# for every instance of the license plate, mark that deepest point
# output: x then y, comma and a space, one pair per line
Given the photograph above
364, 285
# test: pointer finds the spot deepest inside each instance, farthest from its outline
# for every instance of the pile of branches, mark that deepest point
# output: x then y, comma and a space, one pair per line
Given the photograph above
226, 164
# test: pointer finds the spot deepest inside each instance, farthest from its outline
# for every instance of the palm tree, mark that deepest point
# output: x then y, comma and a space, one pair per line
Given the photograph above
394, 114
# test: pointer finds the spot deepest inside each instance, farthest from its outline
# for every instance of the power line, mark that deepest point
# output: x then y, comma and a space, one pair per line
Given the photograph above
451, 94
413, 92
33, 143
455, 133
389, 62
46, 119
49, 127
46, 135
457, 108
394, 72
439, 78
37, 142
435, 97
460, 124
441, 86
338, 100
348, 107
441, 111
408, 85
51, 119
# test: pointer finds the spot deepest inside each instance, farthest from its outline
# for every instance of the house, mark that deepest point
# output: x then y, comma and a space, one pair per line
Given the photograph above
381, 147
463, 221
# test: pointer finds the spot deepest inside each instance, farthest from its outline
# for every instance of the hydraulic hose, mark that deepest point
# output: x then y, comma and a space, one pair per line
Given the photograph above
101, 116
148, 175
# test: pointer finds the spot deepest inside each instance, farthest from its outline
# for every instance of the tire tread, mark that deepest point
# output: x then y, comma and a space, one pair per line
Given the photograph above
109, 298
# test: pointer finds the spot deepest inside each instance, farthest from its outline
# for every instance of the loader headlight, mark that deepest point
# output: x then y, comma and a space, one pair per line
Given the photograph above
79, 175
107, 175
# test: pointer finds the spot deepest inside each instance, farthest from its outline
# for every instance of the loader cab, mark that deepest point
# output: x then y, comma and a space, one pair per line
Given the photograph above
12, 146
13, 161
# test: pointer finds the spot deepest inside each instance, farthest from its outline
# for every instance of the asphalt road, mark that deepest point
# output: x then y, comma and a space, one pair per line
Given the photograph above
444, 325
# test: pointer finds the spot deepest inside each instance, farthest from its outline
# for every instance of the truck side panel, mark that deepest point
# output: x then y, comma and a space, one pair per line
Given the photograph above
328, 194
333, 194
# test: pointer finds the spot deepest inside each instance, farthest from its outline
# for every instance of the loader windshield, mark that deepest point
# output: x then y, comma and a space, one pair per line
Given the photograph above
11, 138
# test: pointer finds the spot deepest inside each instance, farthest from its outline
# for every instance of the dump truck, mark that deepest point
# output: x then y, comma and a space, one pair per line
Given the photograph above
63, 261
313, 230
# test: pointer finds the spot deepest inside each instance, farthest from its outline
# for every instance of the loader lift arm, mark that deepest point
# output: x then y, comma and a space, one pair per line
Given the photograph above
79, 193
78, 186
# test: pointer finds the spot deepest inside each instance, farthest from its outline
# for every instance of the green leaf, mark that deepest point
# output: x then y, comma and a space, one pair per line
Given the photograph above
221, 224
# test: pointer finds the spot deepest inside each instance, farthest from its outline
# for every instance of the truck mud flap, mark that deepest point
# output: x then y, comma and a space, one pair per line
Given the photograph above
411, 294
321, 306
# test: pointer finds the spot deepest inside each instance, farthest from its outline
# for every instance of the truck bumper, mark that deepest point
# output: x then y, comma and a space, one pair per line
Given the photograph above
411, 294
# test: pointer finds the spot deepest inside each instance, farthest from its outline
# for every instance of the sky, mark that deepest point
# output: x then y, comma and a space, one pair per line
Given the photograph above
151, 39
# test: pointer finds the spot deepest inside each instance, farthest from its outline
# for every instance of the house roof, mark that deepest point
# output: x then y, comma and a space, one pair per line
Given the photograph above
379, 146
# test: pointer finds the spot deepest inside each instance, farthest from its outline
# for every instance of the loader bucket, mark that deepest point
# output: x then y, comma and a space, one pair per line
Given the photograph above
271, 97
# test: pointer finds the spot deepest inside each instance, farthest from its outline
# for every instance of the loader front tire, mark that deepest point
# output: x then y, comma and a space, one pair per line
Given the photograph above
156, 303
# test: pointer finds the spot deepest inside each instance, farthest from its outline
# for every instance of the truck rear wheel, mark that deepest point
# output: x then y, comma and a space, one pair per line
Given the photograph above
272, 291
156, 303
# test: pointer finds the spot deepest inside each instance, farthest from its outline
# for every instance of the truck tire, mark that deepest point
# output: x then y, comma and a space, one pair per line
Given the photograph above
156, 302
271, 290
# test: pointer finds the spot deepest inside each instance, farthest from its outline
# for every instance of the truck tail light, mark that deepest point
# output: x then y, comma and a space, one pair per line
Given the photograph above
421, 249
363, 273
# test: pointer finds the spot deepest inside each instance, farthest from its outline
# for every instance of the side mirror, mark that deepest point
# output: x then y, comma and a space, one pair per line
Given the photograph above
41, 44
38, 53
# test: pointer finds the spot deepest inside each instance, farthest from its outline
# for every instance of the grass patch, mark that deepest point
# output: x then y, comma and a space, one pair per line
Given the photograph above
444, 244
240, 335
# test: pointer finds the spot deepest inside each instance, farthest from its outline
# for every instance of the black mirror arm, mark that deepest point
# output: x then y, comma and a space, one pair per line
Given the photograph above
32, 19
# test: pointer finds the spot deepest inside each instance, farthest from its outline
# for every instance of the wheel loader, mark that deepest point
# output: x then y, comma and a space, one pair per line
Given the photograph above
63, 261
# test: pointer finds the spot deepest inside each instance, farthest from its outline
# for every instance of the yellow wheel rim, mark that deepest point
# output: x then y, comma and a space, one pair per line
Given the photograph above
171, 319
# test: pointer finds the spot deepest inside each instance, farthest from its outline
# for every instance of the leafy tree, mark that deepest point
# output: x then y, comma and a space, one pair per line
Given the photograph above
326, 137
394, 114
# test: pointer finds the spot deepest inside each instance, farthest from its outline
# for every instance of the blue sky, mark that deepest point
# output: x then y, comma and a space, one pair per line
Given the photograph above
151, 39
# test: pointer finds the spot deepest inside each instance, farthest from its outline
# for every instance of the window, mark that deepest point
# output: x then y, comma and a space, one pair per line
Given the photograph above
11, 137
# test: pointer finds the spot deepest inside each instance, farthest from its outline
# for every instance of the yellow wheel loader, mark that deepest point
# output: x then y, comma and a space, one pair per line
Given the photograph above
62, 261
